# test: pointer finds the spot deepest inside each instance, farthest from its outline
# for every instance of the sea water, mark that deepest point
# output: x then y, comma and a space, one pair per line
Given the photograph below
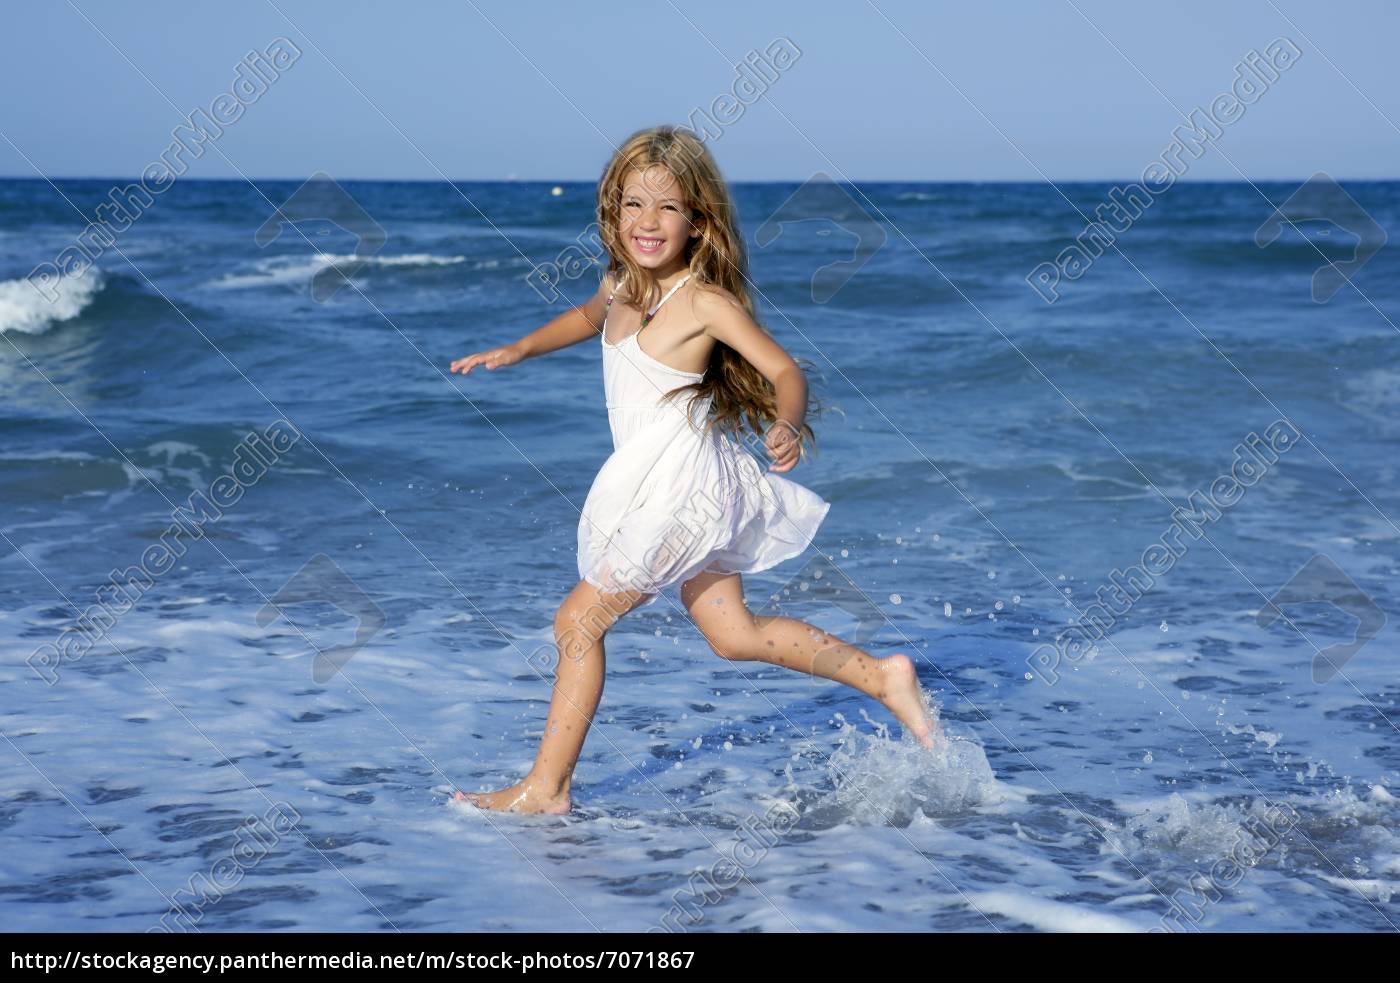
265, 734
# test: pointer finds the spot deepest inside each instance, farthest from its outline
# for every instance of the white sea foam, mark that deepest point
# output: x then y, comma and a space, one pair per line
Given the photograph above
171, 449
24, 309
48, 455
275, 270
1050, 916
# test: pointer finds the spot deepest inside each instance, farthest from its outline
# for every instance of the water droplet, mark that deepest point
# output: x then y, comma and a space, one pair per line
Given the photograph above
895, 599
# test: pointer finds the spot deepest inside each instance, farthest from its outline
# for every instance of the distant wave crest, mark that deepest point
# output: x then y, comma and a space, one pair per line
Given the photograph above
293, 269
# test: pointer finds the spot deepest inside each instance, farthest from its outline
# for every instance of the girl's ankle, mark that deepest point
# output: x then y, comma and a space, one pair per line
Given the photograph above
550, 788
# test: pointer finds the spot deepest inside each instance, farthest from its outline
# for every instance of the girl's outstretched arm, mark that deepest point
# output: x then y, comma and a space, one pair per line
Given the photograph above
726, 320
569, 328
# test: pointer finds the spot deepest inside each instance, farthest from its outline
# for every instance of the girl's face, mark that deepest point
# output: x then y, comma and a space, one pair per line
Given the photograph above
655, 222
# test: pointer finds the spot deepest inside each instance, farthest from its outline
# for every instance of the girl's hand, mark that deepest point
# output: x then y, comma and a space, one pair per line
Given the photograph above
784, 445
493, 359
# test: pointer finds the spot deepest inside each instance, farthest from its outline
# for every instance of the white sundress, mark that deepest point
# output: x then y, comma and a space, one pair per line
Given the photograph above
672, 501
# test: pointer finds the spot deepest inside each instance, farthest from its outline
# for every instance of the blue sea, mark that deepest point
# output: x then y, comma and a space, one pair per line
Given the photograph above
273, 582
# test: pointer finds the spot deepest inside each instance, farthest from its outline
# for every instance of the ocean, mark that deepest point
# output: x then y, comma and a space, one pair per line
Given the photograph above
273, 582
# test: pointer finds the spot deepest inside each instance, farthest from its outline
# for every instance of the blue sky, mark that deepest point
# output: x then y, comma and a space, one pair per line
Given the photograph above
487, 90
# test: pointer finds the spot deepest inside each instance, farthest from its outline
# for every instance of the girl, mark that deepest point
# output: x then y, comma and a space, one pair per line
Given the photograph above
678, 502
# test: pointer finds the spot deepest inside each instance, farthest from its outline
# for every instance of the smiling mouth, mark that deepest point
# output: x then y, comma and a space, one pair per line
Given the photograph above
647, 245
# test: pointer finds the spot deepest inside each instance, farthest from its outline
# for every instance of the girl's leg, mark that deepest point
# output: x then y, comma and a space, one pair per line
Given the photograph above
579, 626
716, 602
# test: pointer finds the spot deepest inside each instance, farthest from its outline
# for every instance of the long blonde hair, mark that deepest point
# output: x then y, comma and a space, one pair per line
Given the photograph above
742, 398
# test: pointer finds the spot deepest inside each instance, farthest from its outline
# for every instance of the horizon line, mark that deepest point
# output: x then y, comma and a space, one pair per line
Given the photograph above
735, 181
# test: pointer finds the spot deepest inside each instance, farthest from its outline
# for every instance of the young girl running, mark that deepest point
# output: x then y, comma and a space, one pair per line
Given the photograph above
679, 502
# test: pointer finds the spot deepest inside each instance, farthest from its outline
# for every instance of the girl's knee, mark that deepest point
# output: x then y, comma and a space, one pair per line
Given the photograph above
574, 618
582, 620
577, 625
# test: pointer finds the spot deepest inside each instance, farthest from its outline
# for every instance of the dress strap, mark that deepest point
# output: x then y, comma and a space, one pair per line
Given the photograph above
679, 283
646, 318
652, 313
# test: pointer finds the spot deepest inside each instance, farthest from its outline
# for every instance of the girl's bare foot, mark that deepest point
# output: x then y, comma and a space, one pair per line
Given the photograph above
903, 698
523, 796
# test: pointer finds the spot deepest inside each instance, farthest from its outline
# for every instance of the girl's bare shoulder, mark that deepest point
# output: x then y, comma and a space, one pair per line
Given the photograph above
712, 290
710, 299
